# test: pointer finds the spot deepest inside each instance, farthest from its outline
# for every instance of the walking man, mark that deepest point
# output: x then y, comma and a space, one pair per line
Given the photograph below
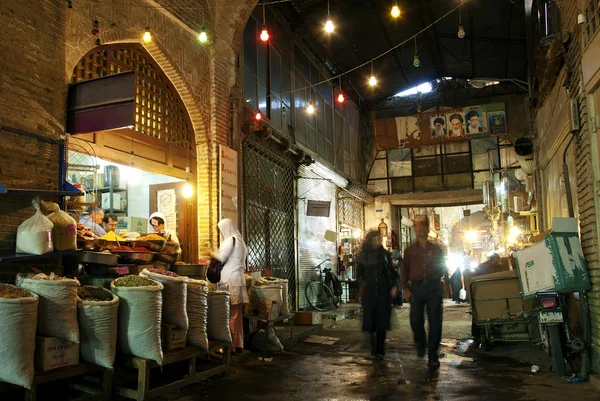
423, 269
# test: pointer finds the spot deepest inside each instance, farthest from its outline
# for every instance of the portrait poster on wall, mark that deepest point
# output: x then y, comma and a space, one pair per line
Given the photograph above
456, 125
438, 126
474, 120
497, 122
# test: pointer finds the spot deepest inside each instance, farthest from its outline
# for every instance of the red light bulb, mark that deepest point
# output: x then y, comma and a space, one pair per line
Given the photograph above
95, 28
258, 116
264, 35
341, 98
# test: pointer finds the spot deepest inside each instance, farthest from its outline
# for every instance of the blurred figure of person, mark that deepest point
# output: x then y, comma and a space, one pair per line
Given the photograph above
93, 220
398, 301
378, 286
157, 221
109, 222
423, 269
492, 265
456, 284
232, 253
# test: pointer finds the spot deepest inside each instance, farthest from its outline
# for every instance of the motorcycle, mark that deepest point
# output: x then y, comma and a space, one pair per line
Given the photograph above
554, 330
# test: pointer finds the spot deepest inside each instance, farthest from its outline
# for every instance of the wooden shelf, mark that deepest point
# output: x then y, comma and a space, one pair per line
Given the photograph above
109, 189
18, 257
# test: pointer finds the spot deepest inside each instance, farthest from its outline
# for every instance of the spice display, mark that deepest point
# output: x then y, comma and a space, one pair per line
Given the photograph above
134, 281
151, 237
163, 272
42, 276
10, 292
129, 249
84, 233
111, 236
86, 295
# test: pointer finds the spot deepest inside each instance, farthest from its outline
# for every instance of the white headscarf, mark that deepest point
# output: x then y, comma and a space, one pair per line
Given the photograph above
160, 216
228, 229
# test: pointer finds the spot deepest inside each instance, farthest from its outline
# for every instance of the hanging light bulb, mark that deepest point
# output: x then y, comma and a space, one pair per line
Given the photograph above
188, 190
395, 11
147, 35
341, 98
461, 29
95, 28
416, 61
264, 35
329, 24
372, 80
258, 117
203, 37
310, 109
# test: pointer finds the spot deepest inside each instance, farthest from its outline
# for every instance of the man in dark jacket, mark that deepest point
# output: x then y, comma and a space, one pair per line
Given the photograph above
423, 268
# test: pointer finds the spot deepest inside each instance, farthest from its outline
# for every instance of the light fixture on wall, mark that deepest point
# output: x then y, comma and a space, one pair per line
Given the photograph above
461, 29
329, 24
147, 35
416, 61
372, 80
395, 10
264, 35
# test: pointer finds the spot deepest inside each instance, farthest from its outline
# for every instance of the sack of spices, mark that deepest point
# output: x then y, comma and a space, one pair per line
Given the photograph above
34, 235
19, 309
98, 311
218, 316
140, 316
57, 311
64, 233
197, 310
174, 296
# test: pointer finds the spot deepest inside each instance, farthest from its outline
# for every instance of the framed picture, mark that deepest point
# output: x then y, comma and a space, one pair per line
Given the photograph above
456, 124
438, 126
474, 121
497, 122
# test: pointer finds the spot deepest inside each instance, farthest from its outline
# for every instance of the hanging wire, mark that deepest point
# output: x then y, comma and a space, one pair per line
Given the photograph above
174, 7
328, 8
264, 16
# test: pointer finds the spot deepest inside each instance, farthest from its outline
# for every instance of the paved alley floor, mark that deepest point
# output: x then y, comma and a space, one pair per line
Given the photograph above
345, 372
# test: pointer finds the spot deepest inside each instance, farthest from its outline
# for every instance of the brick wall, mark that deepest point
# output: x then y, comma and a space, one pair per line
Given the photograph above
584, 166
40, 47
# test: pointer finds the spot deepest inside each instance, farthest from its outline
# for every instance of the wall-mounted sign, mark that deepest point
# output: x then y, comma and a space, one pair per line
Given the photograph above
228, 179
497, 122
318, 208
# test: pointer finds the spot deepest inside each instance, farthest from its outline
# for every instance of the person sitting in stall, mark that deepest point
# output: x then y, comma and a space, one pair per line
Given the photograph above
109, 222
93, 219
492, 265
157, 221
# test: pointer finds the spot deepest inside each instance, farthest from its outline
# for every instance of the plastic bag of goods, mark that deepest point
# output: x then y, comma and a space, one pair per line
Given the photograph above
273, 344
64, 233
98, 311
174, 310
140, 316
19, 309
462, 294
197, 310
57, 310
34, 235
218, 316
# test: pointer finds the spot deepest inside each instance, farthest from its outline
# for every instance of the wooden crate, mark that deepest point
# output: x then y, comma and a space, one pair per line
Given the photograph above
261, 309
98, 390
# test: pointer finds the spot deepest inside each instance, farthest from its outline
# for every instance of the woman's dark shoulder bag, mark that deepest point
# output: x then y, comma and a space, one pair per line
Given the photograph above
213, 273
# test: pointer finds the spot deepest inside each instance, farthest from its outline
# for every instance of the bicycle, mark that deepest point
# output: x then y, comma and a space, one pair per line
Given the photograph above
324, 293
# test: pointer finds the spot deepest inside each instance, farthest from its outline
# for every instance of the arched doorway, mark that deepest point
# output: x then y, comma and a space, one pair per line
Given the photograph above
148, 135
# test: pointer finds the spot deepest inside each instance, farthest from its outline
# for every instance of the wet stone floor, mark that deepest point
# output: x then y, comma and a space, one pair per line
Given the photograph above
345, 372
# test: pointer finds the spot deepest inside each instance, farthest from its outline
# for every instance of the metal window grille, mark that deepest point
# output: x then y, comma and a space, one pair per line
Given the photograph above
269, 211
160, 113
351, 212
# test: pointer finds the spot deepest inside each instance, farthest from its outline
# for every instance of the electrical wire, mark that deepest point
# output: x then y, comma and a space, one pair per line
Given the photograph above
174, 7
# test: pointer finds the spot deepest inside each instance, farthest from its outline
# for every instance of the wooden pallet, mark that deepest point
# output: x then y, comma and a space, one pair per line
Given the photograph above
91, 392
199, 367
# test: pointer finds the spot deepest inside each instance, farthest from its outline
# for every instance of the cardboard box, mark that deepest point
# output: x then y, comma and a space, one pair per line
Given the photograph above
262, 309
172, 337
499, 296
133, 224
308, 318
116, 203
53, 353
556, 263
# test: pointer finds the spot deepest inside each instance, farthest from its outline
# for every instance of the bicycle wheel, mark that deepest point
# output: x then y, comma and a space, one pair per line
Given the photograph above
319, 296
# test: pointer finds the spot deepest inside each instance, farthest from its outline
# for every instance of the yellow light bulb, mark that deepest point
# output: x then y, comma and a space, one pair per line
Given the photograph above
310, 109
147, 35
372, 81
264, 35
395, 11
329, 26
203, 37
188, 190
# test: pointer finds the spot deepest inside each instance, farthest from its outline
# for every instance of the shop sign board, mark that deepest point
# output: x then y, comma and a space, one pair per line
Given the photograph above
167, 205
228, 179
318, 208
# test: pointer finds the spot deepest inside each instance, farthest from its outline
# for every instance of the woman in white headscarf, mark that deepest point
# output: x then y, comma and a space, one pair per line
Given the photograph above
232, 254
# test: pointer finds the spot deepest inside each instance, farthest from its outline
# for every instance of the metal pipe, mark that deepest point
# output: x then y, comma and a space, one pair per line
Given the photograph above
568, 181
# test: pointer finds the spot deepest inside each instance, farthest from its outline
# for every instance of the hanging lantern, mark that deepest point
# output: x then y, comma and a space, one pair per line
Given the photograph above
383, 229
